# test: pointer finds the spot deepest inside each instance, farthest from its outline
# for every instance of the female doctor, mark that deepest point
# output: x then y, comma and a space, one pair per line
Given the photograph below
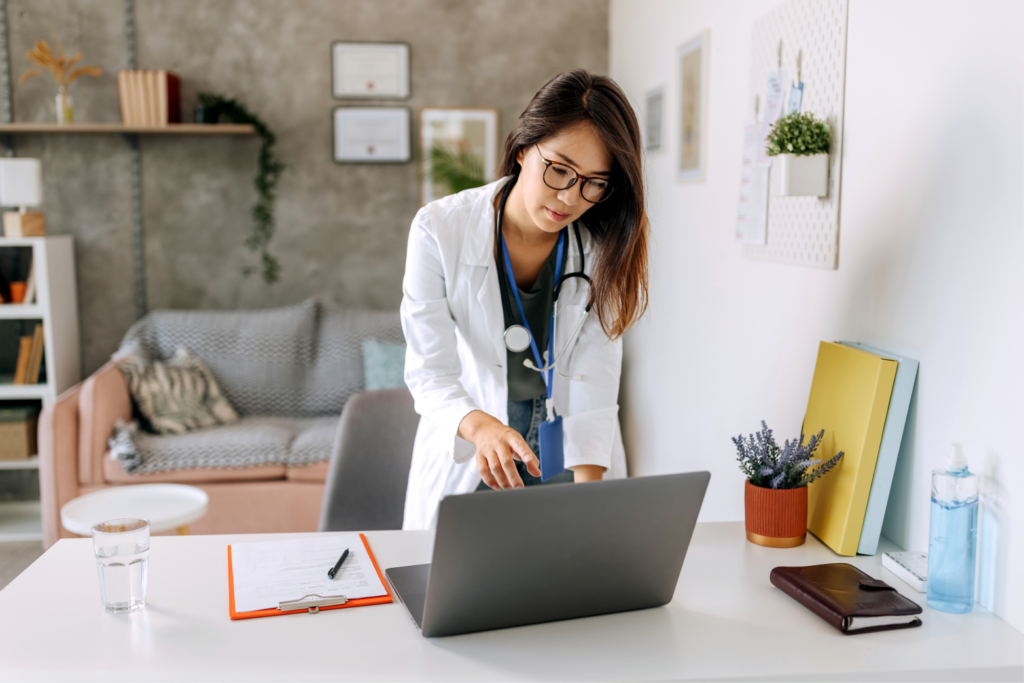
515, 299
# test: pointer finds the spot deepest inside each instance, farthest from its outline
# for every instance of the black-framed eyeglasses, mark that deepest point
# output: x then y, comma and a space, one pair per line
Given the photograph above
559, 176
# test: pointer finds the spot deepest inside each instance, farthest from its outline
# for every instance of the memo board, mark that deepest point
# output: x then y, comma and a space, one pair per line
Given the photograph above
804, 230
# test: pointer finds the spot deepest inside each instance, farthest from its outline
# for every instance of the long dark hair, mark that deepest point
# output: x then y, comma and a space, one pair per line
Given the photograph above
618, 290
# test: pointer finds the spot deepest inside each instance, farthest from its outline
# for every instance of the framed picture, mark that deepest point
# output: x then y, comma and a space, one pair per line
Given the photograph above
370, 70
372, 135
464, 144
693, 89
652, 119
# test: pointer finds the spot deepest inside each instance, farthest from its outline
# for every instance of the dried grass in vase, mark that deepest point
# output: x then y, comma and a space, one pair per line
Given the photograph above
63, 70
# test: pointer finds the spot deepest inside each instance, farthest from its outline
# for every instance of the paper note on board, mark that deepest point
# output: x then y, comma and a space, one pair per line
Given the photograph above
796, 98
752, 211
773, 107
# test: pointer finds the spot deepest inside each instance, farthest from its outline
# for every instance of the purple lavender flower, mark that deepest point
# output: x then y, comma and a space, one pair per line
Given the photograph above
769, 466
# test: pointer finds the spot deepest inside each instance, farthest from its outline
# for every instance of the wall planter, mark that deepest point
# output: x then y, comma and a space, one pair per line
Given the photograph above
776, 518
803, 175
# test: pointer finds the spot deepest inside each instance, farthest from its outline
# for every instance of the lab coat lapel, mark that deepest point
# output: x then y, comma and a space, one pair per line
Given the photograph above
489, 296
478, 250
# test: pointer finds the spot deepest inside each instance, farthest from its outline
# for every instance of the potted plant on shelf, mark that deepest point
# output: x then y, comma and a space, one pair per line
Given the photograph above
775, 500
800, 145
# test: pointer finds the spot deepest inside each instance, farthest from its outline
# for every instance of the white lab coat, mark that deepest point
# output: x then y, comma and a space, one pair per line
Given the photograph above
456, 358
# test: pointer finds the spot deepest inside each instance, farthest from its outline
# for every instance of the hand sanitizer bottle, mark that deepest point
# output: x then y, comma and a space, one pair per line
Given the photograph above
953, 541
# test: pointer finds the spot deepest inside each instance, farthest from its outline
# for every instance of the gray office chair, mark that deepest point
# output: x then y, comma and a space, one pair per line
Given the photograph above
369, 468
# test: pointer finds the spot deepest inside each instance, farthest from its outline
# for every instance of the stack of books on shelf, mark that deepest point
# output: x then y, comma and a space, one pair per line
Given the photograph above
860, 396
30, 357
149, 98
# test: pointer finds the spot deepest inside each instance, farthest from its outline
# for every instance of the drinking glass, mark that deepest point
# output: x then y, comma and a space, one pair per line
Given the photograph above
122, 561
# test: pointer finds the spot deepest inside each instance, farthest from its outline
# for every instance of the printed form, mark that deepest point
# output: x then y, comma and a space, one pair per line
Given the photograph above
269, 573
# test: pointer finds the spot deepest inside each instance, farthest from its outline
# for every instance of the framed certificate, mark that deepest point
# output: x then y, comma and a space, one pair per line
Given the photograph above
372, 135
370, 70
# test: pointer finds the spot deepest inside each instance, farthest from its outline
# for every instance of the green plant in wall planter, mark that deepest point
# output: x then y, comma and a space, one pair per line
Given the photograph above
799, 145
458, 169
268, 172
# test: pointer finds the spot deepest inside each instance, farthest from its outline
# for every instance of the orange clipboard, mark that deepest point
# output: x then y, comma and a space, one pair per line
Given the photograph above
273, 612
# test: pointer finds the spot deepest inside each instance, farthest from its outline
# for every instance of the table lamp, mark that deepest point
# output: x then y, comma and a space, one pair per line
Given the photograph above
21, 185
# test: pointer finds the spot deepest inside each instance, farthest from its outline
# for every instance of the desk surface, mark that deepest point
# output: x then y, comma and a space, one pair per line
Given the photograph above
726, 622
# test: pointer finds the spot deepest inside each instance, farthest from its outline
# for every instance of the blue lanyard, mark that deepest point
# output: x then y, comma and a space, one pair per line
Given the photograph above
546, 375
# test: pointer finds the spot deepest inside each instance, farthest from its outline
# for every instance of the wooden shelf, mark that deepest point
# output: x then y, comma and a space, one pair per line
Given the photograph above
107, 128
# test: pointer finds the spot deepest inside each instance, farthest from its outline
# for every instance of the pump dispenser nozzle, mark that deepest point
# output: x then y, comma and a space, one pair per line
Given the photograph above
956, 460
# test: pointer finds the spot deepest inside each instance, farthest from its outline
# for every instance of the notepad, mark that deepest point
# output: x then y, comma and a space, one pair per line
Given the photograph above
266, 575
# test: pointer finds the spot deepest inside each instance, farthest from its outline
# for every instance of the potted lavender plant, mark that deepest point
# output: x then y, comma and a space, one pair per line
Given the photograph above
775, 499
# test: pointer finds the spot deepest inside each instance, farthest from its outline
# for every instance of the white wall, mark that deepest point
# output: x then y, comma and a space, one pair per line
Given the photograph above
930, 258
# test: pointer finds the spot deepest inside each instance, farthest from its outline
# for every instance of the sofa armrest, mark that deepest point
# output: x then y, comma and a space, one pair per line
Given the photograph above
104, 401
58, 461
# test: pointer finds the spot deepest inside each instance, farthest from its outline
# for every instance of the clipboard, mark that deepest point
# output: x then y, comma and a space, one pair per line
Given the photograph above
311, 604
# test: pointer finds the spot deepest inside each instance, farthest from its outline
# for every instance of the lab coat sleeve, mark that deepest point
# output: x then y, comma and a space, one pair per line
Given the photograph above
432, 365
589, 428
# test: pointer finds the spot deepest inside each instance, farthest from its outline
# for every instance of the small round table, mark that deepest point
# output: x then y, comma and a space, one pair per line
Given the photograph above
166, 506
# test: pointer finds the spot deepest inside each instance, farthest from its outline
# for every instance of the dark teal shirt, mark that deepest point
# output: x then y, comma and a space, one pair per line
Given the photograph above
524, 383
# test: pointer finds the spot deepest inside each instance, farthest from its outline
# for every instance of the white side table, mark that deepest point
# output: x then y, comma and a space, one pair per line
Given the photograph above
166, 506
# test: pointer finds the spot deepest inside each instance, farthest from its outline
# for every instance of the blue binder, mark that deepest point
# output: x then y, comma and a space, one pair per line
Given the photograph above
892, 437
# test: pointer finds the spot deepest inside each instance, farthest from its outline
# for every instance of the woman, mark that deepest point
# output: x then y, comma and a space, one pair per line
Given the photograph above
570, 204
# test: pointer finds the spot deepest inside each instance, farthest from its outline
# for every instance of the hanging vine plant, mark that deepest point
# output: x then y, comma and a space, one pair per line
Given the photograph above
268, 172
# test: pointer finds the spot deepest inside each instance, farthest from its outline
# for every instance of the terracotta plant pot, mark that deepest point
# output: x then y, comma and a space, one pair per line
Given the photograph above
776, 518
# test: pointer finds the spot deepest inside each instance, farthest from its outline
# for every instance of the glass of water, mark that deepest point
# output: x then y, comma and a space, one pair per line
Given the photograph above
122, 561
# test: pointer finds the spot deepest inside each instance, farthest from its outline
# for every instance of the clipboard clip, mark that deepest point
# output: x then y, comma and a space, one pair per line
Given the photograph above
312, 602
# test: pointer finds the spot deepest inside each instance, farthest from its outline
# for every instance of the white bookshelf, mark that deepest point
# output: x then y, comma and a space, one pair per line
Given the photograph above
56, 306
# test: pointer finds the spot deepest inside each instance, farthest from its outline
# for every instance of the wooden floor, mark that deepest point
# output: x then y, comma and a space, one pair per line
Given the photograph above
16, 557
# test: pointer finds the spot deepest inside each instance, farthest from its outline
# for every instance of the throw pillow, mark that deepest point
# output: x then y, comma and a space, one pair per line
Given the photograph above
383, 365
176, 396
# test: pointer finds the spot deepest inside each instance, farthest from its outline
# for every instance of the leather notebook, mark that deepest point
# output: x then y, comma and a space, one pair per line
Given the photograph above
847, 598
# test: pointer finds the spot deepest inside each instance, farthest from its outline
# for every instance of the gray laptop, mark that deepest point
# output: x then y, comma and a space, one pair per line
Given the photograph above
544, 553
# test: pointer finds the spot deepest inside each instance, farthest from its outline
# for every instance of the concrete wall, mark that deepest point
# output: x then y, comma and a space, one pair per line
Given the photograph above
341, 229
930, 252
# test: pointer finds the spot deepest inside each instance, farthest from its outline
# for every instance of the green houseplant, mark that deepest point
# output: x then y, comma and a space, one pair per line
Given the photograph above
800, 145
775, 497
268, 172
457, 168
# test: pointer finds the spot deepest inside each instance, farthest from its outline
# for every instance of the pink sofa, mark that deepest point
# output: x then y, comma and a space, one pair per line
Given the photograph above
73, 461
74, 431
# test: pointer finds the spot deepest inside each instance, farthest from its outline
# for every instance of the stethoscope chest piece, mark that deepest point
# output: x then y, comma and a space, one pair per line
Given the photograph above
517, 338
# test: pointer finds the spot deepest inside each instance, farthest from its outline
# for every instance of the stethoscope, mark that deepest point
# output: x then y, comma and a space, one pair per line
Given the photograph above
518, 338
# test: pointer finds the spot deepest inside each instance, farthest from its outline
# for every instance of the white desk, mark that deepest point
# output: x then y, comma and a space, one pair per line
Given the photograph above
726, 622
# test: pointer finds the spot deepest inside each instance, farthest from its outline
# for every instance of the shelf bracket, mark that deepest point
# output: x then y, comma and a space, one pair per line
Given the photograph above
5, 73
138, 227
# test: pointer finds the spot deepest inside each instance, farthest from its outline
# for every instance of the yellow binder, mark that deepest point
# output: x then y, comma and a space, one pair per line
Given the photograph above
849, 400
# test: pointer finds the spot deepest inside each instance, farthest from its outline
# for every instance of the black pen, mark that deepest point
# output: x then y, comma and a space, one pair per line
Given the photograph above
341, 559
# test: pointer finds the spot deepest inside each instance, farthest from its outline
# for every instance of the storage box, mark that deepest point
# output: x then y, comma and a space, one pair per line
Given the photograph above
18, 432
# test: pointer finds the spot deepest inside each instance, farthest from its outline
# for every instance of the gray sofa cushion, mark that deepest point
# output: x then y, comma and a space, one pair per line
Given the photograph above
252, 441
338, 371
298, 361
261, 359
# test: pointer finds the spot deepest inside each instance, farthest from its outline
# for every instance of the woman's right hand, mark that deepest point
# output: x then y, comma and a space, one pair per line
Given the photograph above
497, 448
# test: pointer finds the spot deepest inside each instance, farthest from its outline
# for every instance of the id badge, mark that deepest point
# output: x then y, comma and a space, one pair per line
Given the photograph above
552, 459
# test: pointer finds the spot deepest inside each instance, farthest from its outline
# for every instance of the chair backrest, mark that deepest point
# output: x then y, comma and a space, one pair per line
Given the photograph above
369, 468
